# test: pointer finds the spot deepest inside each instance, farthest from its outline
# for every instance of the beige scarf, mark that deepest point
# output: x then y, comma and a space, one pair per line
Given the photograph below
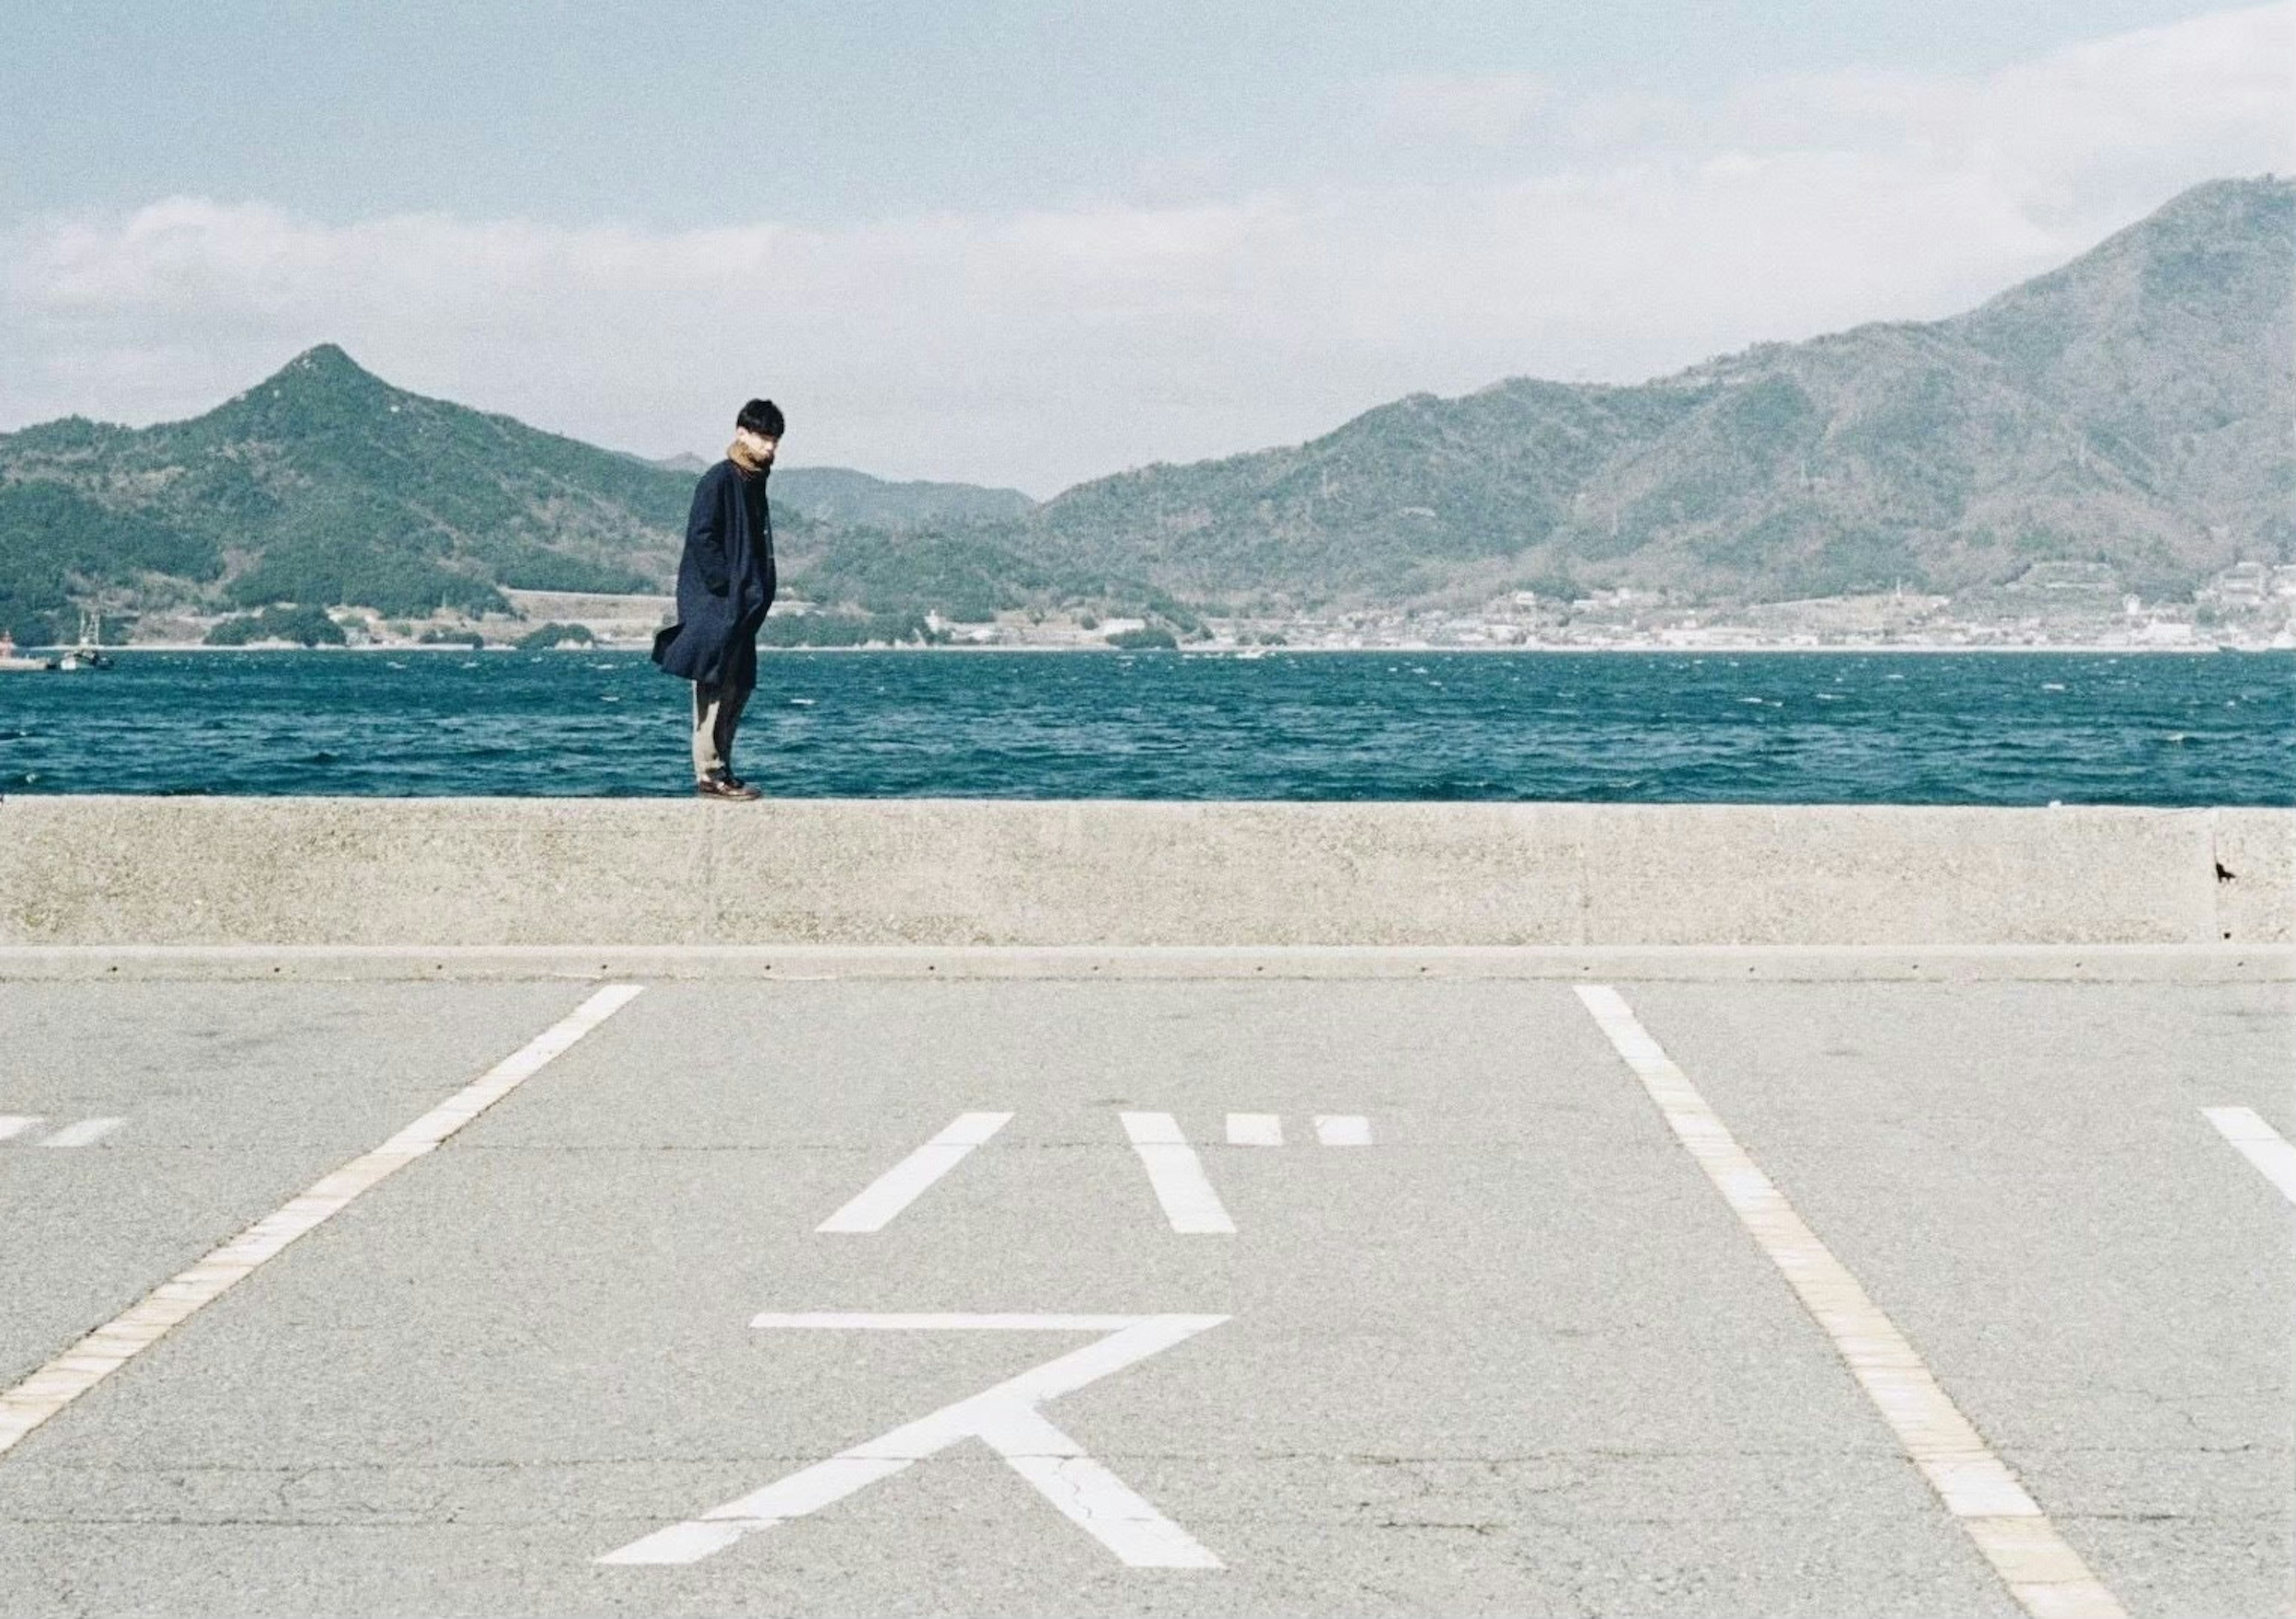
739, 454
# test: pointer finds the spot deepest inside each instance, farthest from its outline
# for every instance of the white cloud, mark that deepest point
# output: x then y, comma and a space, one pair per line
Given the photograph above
1618, 238
2081, 138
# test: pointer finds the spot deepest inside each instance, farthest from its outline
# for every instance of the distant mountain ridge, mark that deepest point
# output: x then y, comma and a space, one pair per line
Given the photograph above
324, 485
840, 495
2131, 409
837, 495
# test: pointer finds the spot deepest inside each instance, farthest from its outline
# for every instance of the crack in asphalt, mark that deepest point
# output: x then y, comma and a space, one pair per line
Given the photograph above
1493, 1462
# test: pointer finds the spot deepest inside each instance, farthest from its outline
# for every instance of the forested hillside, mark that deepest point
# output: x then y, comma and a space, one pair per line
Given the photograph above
324, 485
2132, 409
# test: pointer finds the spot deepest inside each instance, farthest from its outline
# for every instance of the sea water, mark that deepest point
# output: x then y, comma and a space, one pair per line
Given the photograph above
1641, 727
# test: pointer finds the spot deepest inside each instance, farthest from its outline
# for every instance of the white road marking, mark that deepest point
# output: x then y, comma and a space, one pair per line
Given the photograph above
2041, 1571
899, 1187
104, 1351
2260, 1143
940, 1320
16, 1124
1177, 1175
84, 1134
1255, 1129
1343, 1130
1004, 1417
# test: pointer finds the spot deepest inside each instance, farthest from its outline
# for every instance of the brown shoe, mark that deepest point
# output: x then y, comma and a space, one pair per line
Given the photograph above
725, 787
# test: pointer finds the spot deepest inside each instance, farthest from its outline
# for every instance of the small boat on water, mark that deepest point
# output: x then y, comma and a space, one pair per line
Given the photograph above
89, 654
11, 662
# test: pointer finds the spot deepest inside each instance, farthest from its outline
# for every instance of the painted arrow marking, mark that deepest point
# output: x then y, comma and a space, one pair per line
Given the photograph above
1005, 1418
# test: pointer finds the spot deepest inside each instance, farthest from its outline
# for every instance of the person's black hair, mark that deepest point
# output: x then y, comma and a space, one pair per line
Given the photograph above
761, 416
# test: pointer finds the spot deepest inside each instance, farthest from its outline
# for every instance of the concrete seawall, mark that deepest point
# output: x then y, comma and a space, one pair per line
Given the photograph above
502, 872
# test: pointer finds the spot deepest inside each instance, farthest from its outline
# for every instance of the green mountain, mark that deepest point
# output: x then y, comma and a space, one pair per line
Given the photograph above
322, 485
2131, 408
325, 486
837, 495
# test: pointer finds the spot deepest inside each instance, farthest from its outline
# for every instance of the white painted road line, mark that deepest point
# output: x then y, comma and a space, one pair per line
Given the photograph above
1004, 1417
1177, 1175
85, 1133
1255, 1129
16, 1124
2260, 1143
1342, 1130
899, 1187
107, 1348
2041, 1571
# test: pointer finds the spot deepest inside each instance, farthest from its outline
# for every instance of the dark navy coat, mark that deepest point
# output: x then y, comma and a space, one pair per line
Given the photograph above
725, 581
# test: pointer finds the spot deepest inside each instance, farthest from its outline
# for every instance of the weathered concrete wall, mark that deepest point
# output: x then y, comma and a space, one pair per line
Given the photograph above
303, 872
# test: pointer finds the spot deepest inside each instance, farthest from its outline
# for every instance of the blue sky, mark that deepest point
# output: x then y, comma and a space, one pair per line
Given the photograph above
833, 113
1028, 243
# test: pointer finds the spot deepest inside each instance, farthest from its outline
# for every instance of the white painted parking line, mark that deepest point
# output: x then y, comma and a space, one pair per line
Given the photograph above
2260, 1143
2041, 1571
1342, 1130
1177, 1175
1255, 1129
107, 1348
14, 1125
86, 1132
1004, 1417
903, 1184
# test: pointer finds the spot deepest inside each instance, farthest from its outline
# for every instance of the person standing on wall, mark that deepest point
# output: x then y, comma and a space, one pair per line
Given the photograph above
725, 587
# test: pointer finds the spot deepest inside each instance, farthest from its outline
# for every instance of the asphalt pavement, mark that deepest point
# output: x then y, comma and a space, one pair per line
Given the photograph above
1160, 1295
